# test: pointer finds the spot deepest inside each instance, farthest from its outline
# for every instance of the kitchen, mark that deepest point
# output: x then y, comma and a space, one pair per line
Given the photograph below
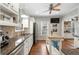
24, 25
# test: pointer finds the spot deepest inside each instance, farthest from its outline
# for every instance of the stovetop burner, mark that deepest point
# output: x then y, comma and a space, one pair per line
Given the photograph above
5, 43
4, 39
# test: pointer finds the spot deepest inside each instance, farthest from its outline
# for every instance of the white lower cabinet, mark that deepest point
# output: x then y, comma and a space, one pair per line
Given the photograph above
28, 44
26, 47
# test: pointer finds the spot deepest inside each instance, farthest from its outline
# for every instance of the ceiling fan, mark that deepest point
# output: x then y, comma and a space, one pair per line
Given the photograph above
53, 7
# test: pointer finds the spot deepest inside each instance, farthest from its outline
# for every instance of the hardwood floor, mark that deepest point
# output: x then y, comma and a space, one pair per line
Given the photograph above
39, 48
68, 47
68, 44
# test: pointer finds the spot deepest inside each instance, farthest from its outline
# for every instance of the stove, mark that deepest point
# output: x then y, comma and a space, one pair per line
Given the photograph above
4, 40
3, 44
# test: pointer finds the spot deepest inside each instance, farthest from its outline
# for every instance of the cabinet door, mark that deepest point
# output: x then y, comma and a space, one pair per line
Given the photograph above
31, 40
26, 47
30, 43
16, 7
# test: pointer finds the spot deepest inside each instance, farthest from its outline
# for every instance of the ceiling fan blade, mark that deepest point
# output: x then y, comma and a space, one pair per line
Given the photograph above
51, 6
50, 12
58, 4
56, 9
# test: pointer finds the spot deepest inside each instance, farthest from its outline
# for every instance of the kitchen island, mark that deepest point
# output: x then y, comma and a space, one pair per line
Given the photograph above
58, 41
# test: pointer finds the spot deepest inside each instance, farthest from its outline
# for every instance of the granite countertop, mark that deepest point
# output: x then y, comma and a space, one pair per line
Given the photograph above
13, 44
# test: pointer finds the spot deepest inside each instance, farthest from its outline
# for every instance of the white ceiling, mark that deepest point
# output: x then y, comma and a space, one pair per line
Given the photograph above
36, 9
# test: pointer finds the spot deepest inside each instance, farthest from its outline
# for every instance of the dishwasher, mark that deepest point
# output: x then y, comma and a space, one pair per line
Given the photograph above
19, 50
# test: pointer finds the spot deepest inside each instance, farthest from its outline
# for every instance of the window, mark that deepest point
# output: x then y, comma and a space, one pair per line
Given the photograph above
25, 22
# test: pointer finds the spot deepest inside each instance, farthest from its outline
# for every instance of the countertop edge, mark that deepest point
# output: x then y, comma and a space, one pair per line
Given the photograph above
19, 44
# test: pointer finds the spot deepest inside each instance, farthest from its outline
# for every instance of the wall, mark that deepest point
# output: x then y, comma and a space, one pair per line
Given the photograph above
60, 27
11, 31
40, 20
69, 16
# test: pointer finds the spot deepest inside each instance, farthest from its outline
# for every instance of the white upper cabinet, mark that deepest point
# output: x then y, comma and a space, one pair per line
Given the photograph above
9, 14
8, 8
15, 7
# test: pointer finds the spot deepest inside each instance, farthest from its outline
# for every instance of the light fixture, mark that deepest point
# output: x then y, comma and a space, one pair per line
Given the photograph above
24, 16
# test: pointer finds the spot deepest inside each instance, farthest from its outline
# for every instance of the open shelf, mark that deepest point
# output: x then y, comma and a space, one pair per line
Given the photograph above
6, 23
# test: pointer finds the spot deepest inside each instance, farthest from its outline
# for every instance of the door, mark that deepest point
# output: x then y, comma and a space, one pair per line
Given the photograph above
44, 29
